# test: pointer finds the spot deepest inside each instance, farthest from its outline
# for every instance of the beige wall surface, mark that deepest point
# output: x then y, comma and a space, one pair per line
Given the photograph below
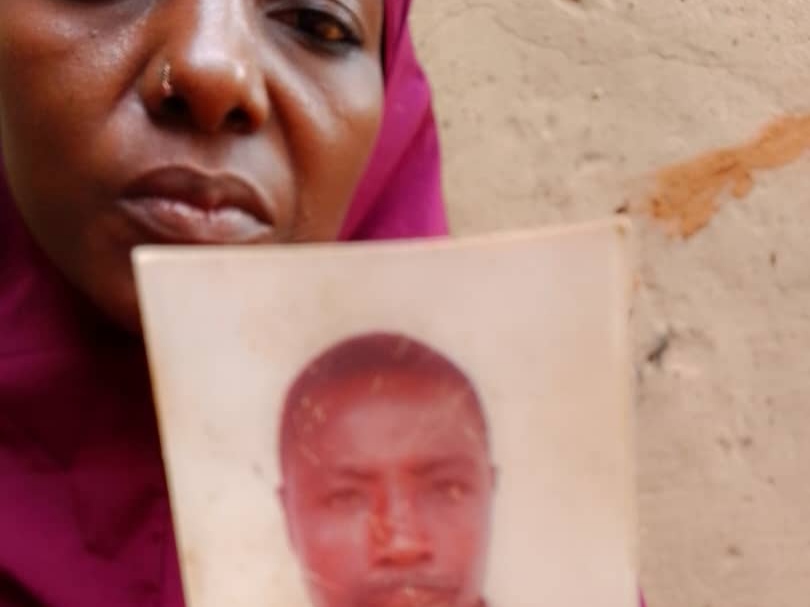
563, 110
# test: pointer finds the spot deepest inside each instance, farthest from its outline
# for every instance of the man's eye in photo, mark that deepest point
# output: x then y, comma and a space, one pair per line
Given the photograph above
452, 489
345, 499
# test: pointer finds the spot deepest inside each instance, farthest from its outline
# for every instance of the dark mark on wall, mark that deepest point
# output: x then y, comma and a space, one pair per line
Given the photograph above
734, 551
656, 355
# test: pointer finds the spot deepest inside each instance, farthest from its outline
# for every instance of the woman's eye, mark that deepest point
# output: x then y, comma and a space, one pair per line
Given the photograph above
320, 27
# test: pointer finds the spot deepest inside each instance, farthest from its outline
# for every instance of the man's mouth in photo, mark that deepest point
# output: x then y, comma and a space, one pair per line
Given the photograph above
410, 593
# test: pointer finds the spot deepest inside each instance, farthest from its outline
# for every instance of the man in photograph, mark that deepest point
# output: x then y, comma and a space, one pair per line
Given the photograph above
387, 480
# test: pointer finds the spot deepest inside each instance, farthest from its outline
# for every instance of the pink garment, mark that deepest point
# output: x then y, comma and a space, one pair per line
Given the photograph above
84, 516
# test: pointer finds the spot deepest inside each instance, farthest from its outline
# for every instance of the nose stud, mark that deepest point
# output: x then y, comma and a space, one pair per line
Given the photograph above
166, 80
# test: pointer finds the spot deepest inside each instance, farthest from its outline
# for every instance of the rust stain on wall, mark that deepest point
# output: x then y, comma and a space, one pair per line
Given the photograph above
688, 195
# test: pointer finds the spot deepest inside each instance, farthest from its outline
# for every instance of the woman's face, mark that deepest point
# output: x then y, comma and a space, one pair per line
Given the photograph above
125, 122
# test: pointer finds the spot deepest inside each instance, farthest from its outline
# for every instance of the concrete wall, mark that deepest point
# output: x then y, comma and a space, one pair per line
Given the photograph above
561, 110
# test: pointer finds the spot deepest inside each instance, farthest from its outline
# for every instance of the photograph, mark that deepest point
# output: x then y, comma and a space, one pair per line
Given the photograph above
427, 423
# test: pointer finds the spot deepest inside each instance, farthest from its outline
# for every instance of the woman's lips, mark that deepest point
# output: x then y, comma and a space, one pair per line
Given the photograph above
180, 222
185, 206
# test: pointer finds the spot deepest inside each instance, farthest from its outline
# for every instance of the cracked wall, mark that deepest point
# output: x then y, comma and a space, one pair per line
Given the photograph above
566, 110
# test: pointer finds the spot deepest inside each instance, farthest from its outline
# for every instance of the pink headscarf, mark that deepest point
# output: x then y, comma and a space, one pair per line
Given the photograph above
84, 515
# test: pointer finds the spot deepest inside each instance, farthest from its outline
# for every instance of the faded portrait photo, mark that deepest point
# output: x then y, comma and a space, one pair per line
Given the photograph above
443, 424
387, 479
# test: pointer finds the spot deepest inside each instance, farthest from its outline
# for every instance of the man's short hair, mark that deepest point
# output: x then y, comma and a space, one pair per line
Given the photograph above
373, 355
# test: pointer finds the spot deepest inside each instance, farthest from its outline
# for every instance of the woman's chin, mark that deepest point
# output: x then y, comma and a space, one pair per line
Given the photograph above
124, 312
118, 303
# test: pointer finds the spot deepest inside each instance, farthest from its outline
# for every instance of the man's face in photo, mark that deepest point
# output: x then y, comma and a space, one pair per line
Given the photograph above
387, 492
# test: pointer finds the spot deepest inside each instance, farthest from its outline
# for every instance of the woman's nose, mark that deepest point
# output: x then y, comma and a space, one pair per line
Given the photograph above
207, 75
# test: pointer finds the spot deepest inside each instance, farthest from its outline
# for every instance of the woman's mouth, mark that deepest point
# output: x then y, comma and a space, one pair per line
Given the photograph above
183, 206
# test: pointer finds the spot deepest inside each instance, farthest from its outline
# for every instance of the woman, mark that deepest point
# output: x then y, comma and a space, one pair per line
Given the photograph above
177, 121
125, 122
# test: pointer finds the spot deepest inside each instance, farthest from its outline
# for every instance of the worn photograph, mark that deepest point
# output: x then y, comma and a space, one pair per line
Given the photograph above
434, 423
